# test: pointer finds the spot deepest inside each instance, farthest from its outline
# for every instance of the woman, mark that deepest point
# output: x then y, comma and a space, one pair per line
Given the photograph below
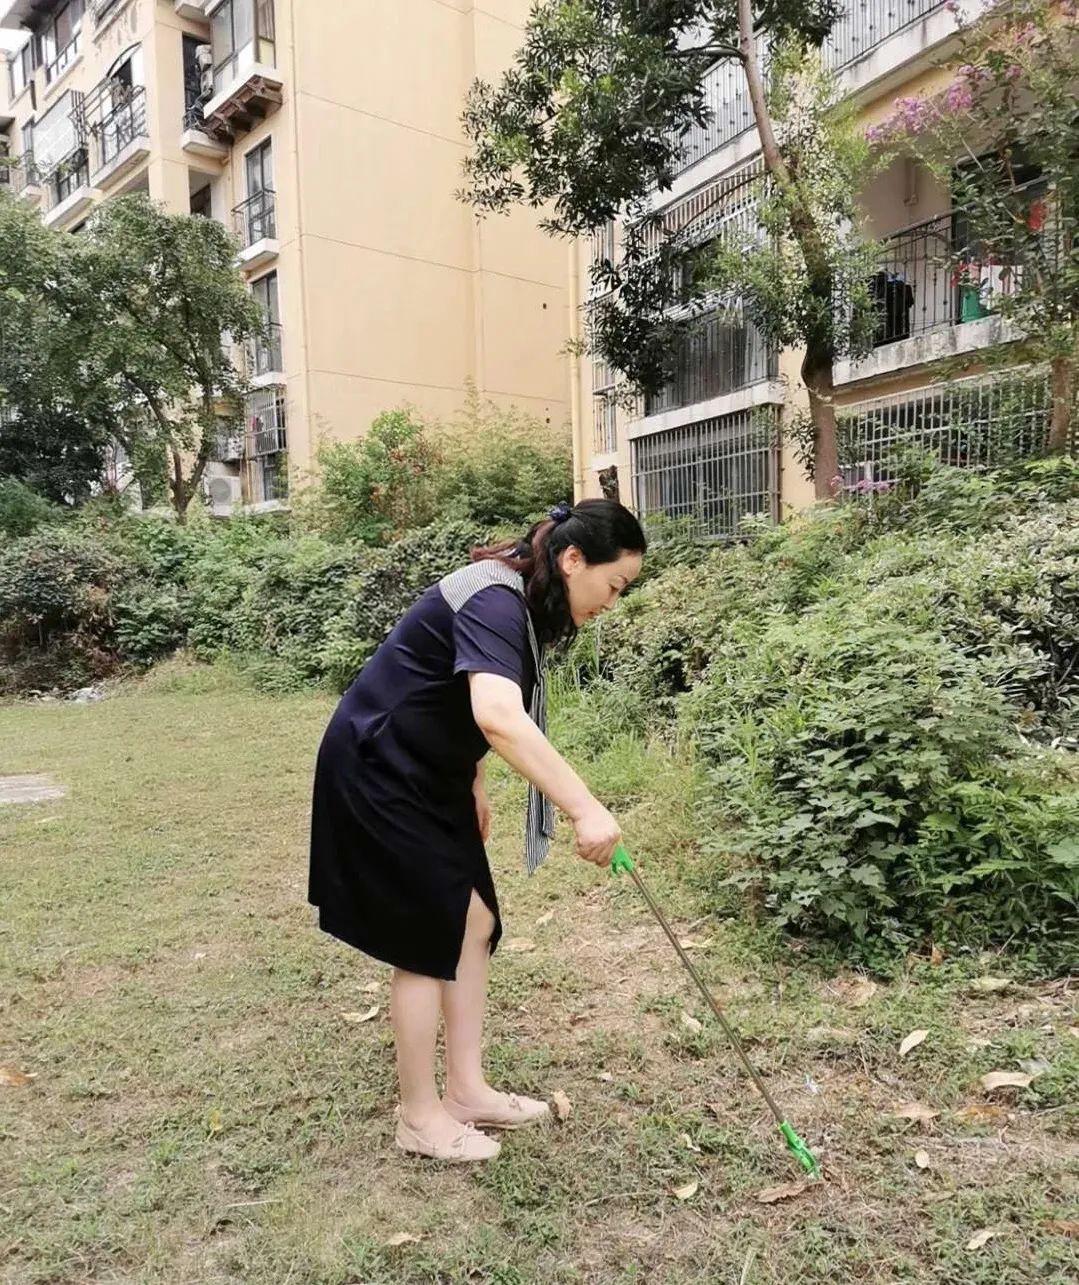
400, 814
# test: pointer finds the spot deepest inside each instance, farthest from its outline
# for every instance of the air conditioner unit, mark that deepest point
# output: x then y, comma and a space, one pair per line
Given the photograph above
204, 57
206, 85
225, 494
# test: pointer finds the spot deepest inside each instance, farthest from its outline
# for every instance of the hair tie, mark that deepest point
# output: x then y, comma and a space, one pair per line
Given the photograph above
560, 513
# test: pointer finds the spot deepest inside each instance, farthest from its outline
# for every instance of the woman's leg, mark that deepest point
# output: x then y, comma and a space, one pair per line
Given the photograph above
463, 1002
414, 1009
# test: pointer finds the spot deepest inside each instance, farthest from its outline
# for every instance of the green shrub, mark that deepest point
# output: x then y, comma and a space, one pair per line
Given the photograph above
22, 510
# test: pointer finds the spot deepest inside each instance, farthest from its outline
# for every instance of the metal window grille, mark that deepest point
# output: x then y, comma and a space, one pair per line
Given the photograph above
604, 408
266, 445
865, 25
718, 354
711, 474
978, 421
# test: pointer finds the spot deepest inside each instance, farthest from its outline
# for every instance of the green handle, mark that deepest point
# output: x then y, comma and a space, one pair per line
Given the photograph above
621, 862
799, 1149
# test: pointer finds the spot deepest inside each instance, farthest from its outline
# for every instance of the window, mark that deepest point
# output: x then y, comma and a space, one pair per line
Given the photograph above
55, 137
21, 69
201, 203
58, 42
242, 32
258, 164
267, 351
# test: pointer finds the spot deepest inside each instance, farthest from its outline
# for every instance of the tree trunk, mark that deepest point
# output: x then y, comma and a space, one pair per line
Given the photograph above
181, 496
1062, 395
817, 377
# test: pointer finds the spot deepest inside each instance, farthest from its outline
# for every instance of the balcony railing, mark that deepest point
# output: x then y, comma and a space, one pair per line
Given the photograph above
933, 274
193, 117
865, 25
719, 354
63, 60
23, 174
256, 218
69, 175
123, 119
264, 353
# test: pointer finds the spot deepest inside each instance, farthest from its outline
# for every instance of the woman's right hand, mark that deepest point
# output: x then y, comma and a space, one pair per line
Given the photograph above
598, 833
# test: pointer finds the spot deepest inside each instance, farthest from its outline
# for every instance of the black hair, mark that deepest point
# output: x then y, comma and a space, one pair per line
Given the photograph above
603, 530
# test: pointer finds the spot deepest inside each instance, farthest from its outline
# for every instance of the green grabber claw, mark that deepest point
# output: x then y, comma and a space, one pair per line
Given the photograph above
621, 862
799, 1149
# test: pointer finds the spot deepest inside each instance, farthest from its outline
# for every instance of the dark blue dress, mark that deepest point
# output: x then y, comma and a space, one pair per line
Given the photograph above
395, 843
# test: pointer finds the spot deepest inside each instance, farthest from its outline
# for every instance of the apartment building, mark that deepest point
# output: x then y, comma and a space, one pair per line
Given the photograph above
711, 447
327, 135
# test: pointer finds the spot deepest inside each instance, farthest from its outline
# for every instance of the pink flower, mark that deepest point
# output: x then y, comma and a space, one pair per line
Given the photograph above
957, 97
1013, 72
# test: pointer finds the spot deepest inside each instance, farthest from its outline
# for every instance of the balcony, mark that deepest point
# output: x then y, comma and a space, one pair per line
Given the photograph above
264, 359
255, 225
115, 117
865, 26
24, 179
939, 293
64, 59
719, 354
196, 140
247, 85
70, 196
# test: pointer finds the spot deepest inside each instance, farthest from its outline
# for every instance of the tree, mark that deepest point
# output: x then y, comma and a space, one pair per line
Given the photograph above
54, 421
1004, 135
171, 307
125, 333
589, 121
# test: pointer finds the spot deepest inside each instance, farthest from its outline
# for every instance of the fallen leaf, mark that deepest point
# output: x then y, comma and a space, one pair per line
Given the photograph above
691, 1023
12, 1078
921, 1159
358, 1017
545, 919
605, 1076
936, 956
215, 1123
402, 1238
1073, 1031
988, 985
372, 988
1005, 1080
687, 1141
562, 1105
199, 954
520, 944
695, 943
911, 1042
980, 1112
684, 1193
915, 1111
980, 1237
787, 1191
1063, 1226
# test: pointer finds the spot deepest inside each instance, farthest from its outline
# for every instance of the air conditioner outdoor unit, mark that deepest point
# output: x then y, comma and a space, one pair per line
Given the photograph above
204, 57
206, 85
225, 494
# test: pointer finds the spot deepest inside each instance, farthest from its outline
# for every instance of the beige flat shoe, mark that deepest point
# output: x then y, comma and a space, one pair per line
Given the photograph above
468, 1145
516, 1113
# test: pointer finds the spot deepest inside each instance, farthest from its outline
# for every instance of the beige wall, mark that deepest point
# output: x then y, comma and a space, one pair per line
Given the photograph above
409, 298
391, 291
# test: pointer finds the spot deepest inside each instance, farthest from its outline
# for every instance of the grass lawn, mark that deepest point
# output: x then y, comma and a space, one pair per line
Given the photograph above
200, 1110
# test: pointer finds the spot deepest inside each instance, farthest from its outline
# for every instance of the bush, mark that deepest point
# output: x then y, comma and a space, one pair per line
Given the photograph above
489, 467
23, 510
878, 785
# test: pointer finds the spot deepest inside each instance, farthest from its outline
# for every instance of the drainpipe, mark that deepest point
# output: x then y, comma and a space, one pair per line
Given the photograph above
575, 374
